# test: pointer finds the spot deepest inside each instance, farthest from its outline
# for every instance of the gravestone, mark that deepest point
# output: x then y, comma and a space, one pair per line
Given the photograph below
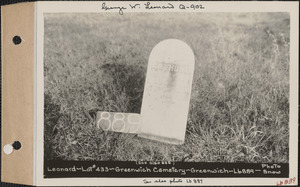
167, 92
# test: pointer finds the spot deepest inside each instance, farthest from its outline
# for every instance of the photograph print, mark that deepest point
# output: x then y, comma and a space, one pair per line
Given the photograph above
96, 65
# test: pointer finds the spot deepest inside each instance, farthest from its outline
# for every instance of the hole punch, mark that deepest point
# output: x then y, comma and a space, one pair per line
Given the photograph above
17, 40
17, 145
8, 149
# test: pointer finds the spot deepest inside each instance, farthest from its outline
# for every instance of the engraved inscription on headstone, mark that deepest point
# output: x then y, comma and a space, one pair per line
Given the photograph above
167, 92
119, 122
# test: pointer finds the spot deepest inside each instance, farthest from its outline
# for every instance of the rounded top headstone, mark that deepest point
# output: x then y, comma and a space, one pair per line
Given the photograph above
172, 49
167, 92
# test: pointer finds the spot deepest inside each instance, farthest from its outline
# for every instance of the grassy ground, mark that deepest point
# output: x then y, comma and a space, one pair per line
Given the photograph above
239, 109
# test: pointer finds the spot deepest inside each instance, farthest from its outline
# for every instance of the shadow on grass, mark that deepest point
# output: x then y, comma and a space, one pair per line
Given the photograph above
122, 88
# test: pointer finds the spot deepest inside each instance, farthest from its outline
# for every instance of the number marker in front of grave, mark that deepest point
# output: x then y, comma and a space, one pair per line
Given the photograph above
118, 122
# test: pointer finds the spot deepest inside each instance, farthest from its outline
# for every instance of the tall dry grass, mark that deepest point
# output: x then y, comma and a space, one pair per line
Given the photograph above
239, 109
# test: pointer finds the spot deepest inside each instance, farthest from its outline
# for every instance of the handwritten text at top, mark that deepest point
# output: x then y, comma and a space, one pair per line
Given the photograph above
151, 6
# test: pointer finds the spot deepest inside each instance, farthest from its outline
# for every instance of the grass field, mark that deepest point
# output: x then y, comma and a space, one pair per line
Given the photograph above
239, 109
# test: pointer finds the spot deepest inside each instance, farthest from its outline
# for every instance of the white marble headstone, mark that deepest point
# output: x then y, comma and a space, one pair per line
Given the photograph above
167, 92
